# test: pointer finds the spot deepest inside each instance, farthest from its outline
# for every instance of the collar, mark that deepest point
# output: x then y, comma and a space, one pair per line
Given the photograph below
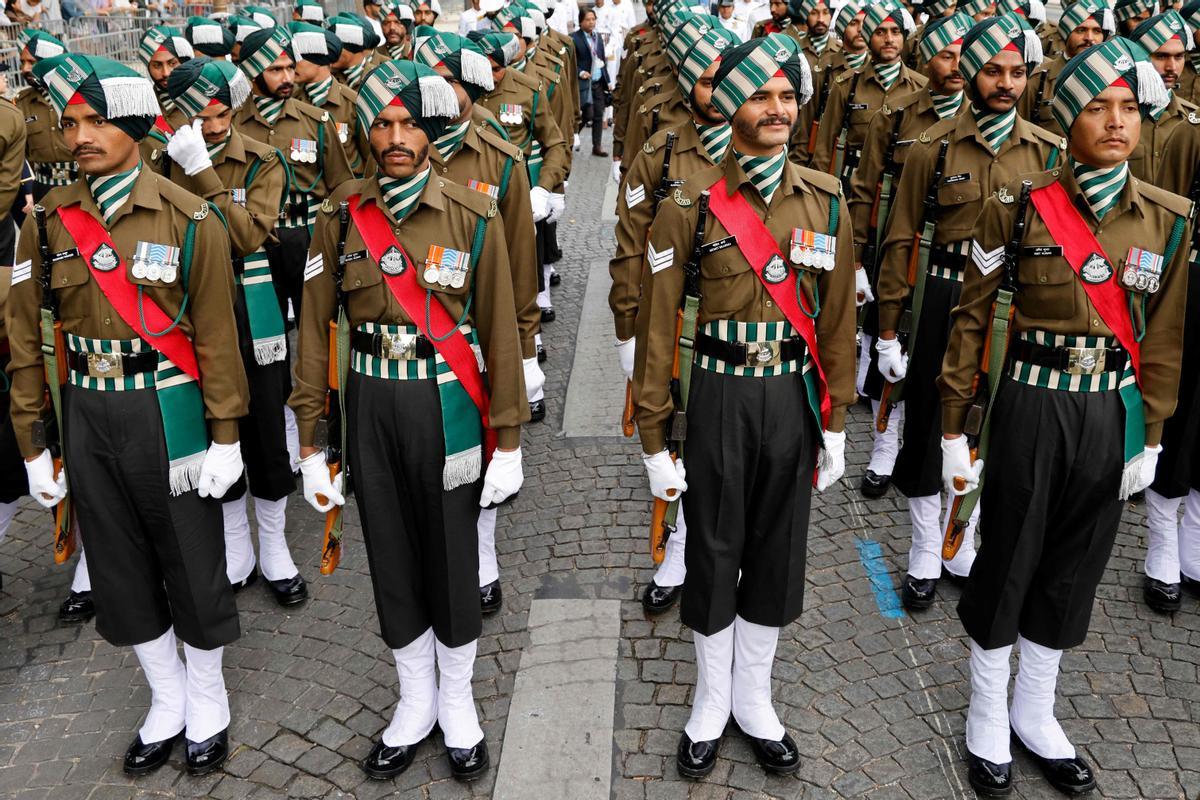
144, 193
1131, 196
431, 195
288, 110
790, 183
967, 127
235, 149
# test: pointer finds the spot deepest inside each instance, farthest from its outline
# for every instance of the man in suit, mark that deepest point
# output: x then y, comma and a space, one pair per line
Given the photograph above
593, 77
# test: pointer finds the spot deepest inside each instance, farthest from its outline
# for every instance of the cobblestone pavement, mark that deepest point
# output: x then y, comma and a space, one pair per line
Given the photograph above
876, 702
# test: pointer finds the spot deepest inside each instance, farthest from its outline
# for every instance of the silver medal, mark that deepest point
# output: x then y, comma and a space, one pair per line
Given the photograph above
444, 275
295, 155
431, 274
154, 272
795, 253
168, 274
138, 270
459, 279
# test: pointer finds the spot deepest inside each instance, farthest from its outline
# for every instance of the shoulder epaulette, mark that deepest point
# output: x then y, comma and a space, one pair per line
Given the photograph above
821, 180
479, 203
1168, 200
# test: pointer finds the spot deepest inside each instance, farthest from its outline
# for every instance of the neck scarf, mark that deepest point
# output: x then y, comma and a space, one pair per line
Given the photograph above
269, 107
401, 195
448, 143
995, 127
765, 172
715, 139
819, 43
396, 51
354, 74
856, 60
111, 191
215, 150
164, 100
947, 105
318, 92
888, 74
1101, 187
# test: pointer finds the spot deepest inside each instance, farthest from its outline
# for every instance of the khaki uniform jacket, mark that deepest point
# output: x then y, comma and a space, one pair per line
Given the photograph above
518, 89
1168, 151
768, 26
12, 156
1050, 297
970, 176
157, 211
340, 105
637, 70
731, 290
635, 212
1189, 87
663, 110
868, 96
299, 120
826, 68
1034, 104
559, 98
446, 215
1052, 39
563, 47
812, 56
44, 142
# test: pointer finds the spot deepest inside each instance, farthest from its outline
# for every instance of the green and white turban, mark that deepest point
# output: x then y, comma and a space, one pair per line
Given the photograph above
261, 16
309, 10
113, 90
703, 54
401, 11
1191, 13
242, 27
989, 37
464, 58
40, 44
200, 82
354, 32
1117, 61
1156, 31
421, 34
1128, 9
261, 48
747, 67
1032, 10
502, 47
515, 18
880, 13
802, 8
687, 34
849, 11
973, 7
1078, 13
941, 32
937, 8
209, 37
425, 94
161, 37
314, 44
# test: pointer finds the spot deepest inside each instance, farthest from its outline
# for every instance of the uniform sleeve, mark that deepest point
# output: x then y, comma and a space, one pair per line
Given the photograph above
554, 146
634, 216
12, 158
892, 282
1161, 352
337, 166
836, 326
866, 179
830, 127
317, 309
22, 319
520, 236
561, 105
249, 226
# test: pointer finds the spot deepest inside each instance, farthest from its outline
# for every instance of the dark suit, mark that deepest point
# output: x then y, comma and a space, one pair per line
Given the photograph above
592, 89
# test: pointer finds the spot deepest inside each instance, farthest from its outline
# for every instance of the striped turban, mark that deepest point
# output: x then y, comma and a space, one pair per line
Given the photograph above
425, 94
702, 55
462, 57
161, 37
1078, 13
198, 83
747, 67
941, 32
987, 38
111, 89
1091, 72
1156, 31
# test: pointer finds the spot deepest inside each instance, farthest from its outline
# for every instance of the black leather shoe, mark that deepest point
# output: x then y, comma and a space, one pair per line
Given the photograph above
555, 279
958, 580
204, 757
468, 763
385, 762
1164, 598
249, 580
541, 354
537, 411
780, 757
1068, 775
917, 595
657, 599
142, 758
548, 315
875, 485
490, 597
988, 779
78, 607
696, 759
289, 591
1190, 585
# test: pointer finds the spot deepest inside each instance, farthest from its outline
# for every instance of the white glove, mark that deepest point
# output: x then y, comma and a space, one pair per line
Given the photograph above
535, 379
558, 204
616, 172
317, 483
575, 142
44, 487
625, 351
539, 198
862, 288
1139, 473
666, 476
831, 460
221, 468
188, 149
893, 364
503, 478
956, 463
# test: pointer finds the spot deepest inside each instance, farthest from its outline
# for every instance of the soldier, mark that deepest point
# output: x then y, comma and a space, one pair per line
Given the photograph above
209, 37
1032, 11
316, 50
308, 11
819, 40
46, 151
1074, 429
764, 296
777, 22
162, 49
1085, 24
359, 41
978, 10
564, 47
396, 22
1189, 87
137, 272
426, 12
985, 149
409, 433
933, 10
1128, 14
241, 28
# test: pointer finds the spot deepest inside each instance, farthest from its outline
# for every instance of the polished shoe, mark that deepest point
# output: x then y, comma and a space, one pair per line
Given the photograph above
142, 758
657, 599
917, 595
988, 779
1068, 775
385, 762
555, 279
1190, 585
541, 354
490, 597
548, 315
78, 607
599, 151
696, 759
958, 580
1164, 598
204, 757
537, 411
468, 763
780, 757
249, 580
875, 485
289, 591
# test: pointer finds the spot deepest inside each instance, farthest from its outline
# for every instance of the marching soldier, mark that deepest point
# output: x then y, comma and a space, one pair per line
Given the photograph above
1085, 24
359, 41
819, 39
847, 25
777, 22
1189, 88
1128, 14
136, 271
945, 187
162, 49
1167, 150
396, 22
933, 11
1095, 264
47, 152
758, 252
421, 425
209, 37
316, 50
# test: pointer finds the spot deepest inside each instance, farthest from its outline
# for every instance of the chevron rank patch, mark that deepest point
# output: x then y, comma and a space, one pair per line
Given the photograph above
986, 260
314, 266
634, 195
22, 272
659, 260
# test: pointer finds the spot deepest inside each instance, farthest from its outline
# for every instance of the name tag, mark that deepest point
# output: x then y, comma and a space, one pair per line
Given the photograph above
63, 255
859, 106
355, 256
1042, 250
715, 247
32, 118
951, 179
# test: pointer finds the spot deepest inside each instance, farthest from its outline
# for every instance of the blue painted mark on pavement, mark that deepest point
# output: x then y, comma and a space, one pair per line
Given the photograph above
871, 555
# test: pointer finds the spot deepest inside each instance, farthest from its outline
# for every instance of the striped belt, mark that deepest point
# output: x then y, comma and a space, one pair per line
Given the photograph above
751, 349
1067, 363
401, 353
400, 346
55, 173
948, 261
110, 365
301, 211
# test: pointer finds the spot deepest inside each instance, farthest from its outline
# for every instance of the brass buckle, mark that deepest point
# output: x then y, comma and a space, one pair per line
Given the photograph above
105, 365
398, 346
1085, 360
763, 354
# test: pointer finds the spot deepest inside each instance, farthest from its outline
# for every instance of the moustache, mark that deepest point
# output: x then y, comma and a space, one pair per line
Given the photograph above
86, 150
284, 89
399, 149
773, 119
1002, 95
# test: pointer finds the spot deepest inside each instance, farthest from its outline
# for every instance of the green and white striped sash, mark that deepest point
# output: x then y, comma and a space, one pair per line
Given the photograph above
996, 128
164, 100
269, 107
1101, 187
533, 163
318, 91
301, 210
947, 105
947, 271
449, 142
401, 196
111, 191
55, 173
355, 73
1049, 378
125, 383
765, 172
715, 139
888, 74
262, 309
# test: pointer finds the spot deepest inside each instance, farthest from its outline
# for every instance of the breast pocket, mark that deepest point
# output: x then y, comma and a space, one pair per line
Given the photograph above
65, 274
1047, 289
959, 204
361, 273
726, 282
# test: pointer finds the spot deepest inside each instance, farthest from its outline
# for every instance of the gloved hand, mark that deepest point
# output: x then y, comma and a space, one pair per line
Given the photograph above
956, 463
625, 352
317, 483
666, 476
575, 142
862, 288
221, 468
44, 487
1139, 473
539, 199
831, 460
188, 149
893, 364
558, 204
503, 478
616, 172
535, 379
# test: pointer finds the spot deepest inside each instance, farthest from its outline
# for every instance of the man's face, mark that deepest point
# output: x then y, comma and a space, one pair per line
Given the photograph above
1128, 25
161, 65
588, 22
464, 99
27, 62
280, 77
217, 120
100, 147
1108, 128
779, 10
371, 10
853, 41
1001, 81
1087, 34
306, 72
1168, 60
886, 43
725, 12
393, 30
498, 72
702, 105
818, 20
401, 149
944, 77
764, 122
423, 15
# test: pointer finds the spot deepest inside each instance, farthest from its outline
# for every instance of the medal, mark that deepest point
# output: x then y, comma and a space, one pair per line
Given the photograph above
812, 249
431, 274
343, 132
1142, 270
138, 270
444, 274
458, 280
304, 151
775, 271
392, 261
450, 266
168, 275
154, 272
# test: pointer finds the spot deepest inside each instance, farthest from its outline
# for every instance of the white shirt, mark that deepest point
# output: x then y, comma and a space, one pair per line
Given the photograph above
468, 21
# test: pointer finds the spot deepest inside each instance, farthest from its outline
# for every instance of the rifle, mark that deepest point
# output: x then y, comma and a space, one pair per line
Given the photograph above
335, 402
822, 99
665, 513
839, 148
991, 364
881, 208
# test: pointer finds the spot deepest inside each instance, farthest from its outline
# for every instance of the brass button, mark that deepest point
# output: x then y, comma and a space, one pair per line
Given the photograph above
1095, 323
769, 304
1041, 279
64, 280
724, 270
358, 283
958, 198
108, 320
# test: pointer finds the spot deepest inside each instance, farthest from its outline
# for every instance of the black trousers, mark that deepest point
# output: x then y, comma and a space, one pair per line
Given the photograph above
1049, 516
155, 560
750, 454
593, 113
13, 482
287, 260
263, 434
421, 541
1177, 472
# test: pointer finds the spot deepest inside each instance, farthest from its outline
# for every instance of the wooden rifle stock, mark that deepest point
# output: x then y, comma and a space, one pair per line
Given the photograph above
956, 529
885, 408
331, 546
627, 426
658, 527
64, 536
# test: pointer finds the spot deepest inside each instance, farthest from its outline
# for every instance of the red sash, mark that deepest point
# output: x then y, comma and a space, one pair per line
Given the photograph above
161, 123
758, 246
1078, 242
377, 234
89, 236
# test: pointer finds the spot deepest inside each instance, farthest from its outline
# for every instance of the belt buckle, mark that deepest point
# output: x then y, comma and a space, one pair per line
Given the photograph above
105, 365
1085, 360
763, 354
398, 346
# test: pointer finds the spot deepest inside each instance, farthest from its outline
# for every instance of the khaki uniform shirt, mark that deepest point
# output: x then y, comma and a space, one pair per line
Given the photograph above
1034, 104
663, 110
1168, 150
636, 70
44, 142
518, 89
559, 98
157, 211
731, 290
1189, 88
1052, 40
564, 47
971, 174
446, 215
12, 156
1050, 296
868, 96
340, 105
826, 68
